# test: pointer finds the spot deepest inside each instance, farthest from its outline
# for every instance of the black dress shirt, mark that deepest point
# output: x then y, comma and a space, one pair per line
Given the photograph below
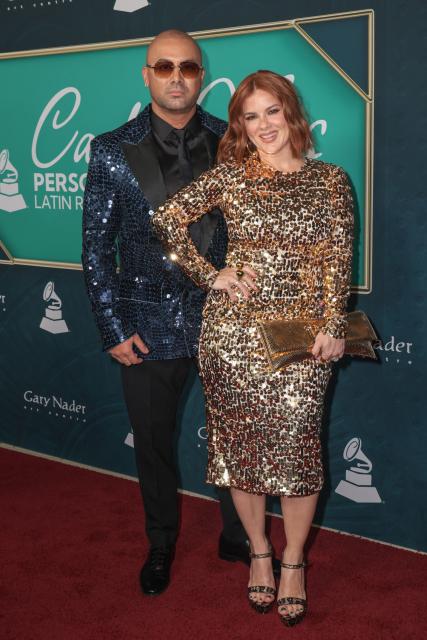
184, 154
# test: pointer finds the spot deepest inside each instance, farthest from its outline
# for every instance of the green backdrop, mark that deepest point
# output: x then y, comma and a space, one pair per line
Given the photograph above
75, 96
380, 406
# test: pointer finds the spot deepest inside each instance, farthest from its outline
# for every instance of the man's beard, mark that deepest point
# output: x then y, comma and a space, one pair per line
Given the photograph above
183, 104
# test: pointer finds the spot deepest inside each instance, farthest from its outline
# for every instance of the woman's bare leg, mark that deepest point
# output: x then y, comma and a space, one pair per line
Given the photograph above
298, 513
251, 511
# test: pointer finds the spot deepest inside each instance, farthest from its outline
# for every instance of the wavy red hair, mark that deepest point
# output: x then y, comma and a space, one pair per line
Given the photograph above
235, 146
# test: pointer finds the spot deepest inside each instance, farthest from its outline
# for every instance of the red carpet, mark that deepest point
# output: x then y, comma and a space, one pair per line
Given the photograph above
73, 542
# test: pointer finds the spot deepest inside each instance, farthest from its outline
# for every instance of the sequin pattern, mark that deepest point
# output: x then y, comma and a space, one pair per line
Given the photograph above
150, 294
295, 231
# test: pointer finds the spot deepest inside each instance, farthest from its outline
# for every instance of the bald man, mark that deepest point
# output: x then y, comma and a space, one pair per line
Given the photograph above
149, 314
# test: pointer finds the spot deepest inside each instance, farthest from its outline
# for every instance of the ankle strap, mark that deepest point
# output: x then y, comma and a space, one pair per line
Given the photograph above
257, 556
267, 554
285, 565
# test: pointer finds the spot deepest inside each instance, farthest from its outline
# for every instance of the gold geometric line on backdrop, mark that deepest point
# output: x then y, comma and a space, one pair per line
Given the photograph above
8, 254
330, 60
369, 111
208, 33
26, 262
369, 14
255, 28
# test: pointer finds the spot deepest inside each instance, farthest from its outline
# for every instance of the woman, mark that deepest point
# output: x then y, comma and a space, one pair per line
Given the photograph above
290, 243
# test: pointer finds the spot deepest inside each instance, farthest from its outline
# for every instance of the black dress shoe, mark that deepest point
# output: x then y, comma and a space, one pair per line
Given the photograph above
155, 574
239, 552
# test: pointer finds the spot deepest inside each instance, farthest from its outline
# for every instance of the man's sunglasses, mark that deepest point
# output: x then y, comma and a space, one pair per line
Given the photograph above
164, 69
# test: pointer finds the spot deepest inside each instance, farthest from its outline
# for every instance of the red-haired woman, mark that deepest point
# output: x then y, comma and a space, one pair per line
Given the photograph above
290, 224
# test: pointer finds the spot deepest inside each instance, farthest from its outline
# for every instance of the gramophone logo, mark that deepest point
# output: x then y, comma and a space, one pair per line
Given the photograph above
202, 436
129, 6
53, 321
200, 432
129, 440
357, 485
10, 198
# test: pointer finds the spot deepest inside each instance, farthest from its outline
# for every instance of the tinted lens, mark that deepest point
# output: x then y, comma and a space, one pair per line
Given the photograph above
189, 69
163, 69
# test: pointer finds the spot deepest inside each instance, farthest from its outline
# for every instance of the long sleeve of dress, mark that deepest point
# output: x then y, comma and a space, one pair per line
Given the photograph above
337, 256
171, 221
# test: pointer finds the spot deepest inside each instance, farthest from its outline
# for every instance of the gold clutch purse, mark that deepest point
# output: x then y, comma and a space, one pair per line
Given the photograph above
287, 341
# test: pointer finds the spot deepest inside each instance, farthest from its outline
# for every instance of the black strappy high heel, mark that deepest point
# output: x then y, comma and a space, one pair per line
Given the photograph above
291, 619
261, 607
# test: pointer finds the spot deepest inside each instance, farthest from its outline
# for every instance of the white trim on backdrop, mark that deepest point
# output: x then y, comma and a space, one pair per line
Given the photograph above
124, 476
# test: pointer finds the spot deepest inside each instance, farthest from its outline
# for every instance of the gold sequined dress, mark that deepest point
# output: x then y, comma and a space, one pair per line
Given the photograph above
295, 231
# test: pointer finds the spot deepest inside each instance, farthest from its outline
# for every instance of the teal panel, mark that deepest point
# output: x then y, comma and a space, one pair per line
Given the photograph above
73, 97
346, 41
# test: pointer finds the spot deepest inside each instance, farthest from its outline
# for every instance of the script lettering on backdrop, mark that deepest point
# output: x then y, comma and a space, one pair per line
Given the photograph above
321, 124
52, 189
55, 190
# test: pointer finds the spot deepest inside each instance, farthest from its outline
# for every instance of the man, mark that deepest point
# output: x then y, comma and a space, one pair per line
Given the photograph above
149, 314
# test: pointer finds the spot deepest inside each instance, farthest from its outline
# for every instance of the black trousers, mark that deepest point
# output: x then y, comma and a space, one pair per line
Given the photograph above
152, 392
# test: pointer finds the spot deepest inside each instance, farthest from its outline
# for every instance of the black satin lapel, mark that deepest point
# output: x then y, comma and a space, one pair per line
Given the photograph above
200, 153
211, 145
202, 231
203, 158
144, 164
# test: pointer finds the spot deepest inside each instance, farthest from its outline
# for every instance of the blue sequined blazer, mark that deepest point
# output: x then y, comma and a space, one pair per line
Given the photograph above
148, 294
